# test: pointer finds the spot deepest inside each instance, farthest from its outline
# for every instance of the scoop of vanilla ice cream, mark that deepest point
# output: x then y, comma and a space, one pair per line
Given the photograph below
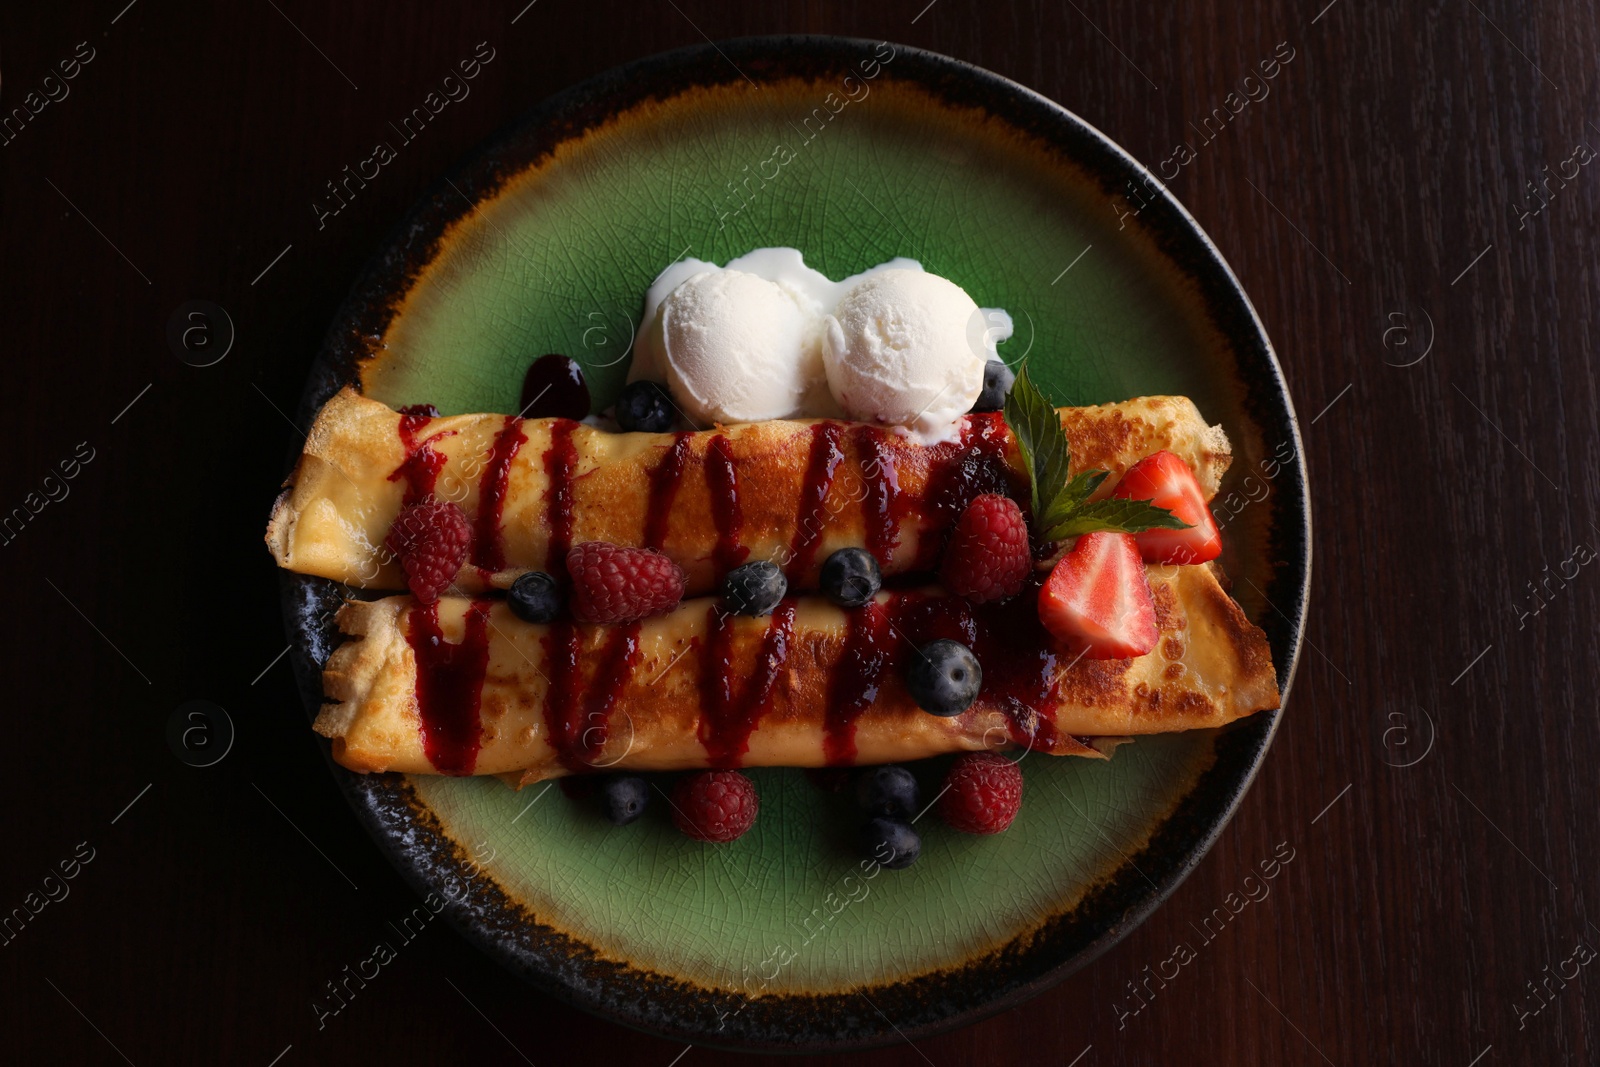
737, 347
900, 350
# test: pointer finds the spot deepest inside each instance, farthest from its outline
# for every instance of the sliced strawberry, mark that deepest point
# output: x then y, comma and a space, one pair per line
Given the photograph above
1097, 600
1167, 482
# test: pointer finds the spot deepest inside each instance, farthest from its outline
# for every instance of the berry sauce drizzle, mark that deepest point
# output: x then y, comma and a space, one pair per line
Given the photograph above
882, 504
560, 460
723, 482
1021, 668
809, 519
616, 667
727, 721
450, 685
1020, 663
422, 464
664, 481
488, 543
868, 650
578, 722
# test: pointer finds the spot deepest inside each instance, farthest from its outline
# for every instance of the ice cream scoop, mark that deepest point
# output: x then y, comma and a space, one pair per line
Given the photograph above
749, 341
907, 348
736, 348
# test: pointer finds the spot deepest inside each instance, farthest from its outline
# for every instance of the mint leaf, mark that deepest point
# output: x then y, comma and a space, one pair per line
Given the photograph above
1114, 516
1037, 429
1078, 490
1061, 507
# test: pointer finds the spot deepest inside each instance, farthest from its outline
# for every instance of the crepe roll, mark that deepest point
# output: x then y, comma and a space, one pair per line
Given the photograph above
462, 686
789, 491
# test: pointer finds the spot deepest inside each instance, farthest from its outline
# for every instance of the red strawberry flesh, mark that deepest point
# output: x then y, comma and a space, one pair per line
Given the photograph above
1167, 482
1097, 600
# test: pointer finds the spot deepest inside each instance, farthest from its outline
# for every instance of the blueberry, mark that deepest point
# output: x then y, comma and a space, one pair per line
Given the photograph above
889, 791
623, 798
997, 381
644, 406
850, 577
892, 842
754, 589
944, 678
534, 597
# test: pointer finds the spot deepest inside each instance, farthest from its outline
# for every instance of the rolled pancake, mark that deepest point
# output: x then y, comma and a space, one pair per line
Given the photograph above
811, 685
787, 491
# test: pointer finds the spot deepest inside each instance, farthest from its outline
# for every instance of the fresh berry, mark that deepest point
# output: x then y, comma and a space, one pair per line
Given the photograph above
715, 805
988, 557
1098, 601
431, 540
615, 584
646, 407
982, 793
623, 798
997, 382
892, 842
888, 791
554, 388
1167, 482
534, 597
754, 588
850, 577
944, 677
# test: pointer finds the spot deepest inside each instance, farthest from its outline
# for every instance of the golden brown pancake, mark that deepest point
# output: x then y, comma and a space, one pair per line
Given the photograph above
463, 686
811, 685
788, 491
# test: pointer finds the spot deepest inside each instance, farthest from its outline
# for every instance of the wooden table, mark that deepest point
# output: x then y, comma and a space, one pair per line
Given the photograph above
1436, 320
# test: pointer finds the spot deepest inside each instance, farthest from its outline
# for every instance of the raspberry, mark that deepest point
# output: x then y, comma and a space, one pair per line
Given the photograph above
988, 556
981, 794
715, 805
615, 584
431, 539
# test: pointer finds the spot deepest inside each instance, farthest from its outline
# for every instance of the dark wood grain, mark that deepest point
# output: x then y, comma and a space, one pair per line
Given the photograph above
1354, 202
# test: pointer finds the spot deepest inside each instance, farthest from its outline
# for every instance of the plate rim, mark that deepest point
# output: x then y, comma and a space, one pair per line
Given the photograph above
383, 803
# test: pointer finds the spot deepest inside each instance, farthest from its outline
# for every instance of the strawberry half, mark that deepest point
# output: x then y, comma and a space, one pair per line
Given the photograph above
1097, 601
1167, 482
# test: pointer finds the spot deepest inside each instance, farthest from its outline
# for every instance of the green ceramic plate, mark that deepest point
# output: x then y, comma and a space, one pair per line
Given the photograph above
854, 152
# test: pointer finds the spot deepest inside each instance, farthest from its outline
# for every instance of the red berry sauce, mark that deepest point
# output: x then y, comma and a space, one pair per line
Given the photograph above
810, 521
554, 388
488, 545
723, 481
728, 718
450, 685
664, 481
421, 465
560, 462
1020, 664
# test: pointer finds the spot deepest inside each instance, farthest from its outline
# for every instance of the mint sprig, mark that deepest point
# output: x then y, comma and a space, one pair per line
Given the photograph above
1061, 505
1040, 439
